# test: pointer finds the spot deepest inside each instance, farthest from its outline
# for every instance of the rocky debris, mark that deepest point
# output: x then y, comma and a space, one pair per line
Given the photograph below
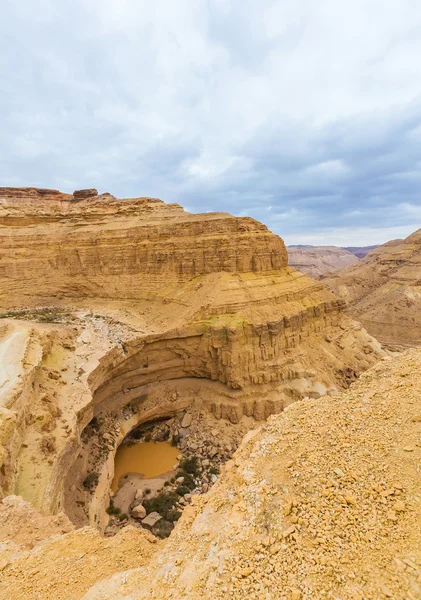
383, 291
151, 520
85, 194
321, 502
315, 261
65, 567
24, 526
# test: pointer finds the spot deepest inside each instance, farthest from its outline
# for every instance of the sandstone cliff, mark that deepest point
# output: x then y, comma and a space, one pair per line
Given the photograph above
383, 291
124, 311
315, 261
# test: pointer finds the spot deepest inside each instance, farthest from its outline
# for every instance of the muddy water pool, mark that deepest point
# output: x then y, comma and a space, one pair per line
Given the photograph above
150, 459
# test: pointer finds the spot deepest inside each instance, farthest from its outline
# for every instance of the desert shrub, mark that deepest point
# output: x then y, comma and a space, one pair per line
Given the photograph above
175, 440
173, 515
182, 489
91, 481
113, 510
214, 470
188, 479
148, 491
122, 517
163, 529
162, 503
190, 465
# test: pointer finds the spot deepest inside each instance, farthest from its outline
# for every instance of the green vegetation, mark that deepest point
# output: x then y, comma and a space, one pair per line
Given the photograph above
163, 528
191, 465
91, 481
182, 489
113, 510
163, 504
188, 479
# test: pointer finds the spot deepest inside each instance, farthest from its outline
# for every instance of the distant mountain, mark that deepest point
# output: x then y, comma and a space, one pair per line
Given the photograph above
360, 251
383, 291
316, 261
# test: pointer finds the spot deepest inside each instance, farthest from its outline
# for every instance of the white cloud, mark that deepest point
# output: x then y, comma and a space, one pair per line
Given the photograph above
311, 108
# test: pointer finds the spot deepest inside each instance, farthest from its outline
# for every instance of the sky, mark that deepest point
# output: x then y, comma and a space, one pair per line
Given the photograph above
303, 114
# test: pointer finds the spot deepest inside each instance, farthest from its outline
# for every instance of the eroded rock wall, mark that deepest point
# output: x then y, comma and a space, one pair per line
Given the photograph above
140, 301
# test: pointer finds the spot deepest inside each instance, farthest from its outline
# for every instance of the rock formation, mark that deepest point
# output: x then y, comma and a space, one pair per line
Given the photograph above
383, 291
119, 312
315, 261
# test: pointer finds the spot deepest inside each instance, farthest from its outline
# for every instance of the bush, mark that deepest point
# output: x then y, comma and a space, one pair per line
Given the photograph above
147, 491
173, 515
163, 503
113, 510
190, 465
91, 481
188, 479
175, 440
163, 528
182, 489
122, 517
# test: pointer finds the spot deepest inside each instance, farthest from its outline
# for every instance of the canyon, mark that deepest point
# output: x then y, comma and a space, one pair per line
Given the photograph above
119, 314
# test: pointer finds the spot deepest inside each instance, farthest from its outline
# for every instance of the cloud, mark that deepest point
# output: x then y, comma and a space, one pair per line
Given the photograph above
304, 115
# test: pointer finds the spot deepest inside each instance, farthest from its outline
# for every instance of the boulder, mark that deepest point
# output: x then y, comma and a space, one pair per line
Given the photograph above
187, 420
125, 496
138, 512
151, 520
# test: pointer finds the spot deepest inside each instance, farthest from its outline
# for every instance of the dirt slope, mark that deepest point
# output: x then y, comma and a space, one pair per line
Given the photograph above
322, 502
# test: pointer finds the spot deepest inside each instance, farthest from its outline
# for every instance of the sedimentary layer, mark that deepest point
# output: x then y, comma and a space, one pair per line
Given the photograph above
383, 291
125, 311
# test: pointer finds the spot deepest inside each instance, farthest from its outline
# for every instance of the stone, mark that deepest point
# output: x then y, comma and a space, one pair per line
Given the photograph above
138, 512
125, 497
151, 520
179, 480
187, 420
139, 495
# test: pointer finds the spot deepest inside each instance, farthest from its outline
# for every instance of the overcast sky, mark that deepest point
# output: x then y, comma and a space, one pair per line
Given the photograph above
304, 114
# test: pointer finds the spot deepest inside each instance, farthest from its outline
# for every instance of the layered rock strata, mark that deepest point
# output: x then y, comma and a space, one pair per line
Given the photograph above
130, 310
383, 291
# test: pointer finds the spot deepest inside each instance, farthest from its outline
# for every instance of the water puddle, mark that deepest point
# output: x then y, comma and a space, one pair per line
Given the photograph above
150, 459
